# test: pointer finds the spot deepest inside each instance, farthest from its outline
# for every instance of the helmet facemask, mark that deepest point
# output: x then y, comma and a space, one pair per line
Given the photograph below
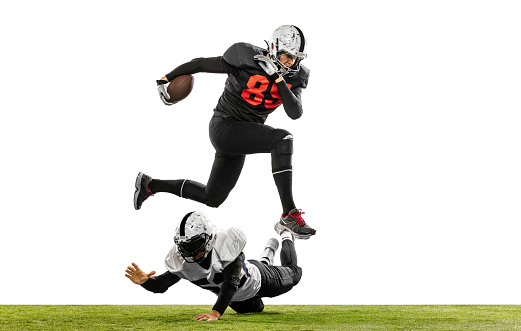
190, 247
194, 235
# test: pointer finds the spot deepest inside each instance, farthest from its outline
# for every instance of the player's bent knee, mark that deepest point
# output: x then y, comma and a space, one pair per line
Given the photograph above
298, 275
215, 201
253, 305
285, 146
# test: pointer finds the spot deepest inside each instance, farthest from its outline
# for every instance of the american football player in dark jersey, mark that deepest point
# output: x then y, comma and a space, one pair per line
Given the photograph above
214, 260
259, 81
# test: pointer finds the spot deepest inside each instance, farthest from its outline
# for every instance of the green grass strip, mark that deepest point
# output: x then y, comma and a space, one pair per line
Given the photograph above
274, 317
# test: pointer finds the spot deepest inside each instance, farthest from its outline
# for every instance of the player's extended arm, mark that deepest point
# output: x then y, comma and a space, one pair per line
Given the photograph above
231, 280
156, 284
210, 64
161, 283
214, 65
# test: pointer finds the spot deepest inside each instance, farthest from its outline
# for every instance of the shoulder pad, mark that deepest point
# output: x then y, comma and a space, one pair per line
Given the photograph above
174, 261
300, 79
241, 55
304, 74
229, 243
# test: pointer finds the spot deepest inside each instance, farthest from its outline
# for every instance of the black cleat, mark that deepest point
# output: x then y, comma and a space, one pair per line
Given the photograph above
142, 191
295, 224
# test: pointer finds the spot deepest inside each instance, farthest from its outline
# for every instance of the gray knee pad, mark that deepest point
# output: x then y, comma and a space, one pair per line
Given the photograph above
285, 146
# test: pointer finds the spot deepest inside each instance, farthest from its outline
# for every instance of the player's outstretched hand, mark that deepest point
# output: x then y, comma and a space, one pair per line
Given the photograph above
267, 65
213, 316
163, 93
136, 275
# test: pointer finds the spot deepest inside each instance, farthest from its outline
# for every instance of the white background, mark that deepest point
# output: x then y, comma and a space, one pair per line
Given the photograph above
407, 159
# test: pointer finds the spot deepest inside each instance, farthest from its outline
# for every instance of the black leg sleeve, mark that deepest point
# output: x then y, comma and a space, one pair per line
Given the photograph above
226, 170
183, 188
288, 254
283, 173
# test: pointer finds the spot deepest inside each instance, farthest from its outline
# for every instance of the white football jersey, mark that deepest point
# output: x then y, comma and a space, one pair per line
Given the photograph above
227, 247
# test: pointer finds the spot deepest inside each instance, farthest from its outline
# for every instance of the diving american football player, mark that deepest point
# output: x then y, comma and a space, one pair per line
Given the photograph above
214, 260
259, 80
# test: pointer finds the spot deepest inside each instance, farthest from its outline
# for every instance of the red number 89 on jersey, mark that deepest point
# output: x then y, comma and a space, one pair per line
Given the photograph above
258, 84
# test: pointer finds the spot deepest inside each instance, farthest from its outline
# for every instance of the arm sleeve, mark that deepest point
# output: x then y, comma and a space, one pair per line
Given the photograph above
231, 280
290, 100
210, 64
161, 283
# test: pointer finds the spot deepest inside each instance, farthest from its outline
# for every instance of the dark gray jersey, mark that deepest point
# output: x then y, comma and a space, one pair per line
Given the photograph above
250, 94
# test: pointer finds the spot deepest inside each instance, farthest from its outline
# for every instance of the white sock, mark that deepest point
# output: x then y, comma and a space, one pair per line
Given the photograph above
268, 255
286, 235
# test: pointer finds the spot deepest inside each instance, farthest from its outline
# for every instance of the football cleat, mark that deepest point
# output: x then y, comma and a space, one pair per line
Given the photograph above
268, 254
142, 192
295, 224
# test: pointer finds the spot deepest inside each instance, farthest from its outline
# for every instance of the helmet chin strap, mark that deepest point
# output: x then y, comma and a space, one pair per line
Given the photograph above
200, 260
203, 259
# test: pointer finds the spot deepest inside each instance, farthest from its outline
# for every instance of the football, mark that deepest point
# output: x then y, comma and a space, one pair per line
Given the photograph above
180, 87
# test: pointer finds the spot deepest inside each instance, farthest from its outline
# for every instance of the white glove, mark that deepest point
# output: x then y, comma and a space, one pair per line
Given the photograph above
267, 65
163, 93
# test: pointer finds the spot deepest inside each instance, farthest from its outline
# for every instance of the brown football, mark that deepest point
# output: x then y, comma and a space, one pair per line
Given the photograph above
180, 87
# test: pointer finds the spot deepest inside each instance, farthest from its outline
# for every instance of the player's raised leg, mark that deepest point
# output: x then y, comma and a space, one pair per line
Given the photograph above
277, 280
261, 138
291, 219
288, 254
268, 254
223, 177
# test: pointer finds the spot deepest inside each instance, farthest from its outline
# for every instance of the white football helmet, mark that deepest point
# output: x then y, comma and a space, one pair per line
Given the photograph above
195, 234
287, 39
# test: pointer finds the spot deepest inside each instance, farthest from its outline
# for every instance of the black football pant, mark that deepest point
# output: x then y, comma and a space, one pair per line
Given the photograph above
275, 280
233, 140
